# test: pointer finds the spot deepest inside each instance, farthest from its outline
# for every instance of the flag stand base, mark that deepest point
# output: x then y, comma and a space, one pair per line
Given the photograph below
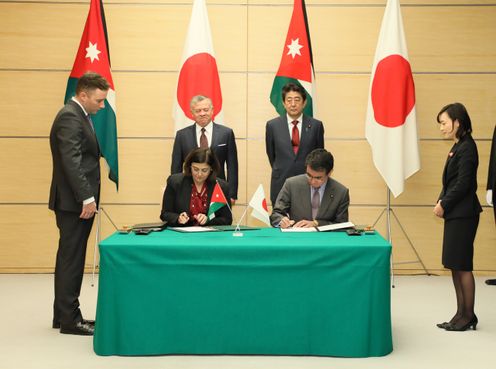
98, 239
388, 210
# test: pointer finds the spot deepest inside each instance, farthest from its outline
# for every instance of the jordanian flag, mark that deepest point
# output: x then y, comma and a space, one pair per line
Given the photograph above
297, 60
93, 55
217, 201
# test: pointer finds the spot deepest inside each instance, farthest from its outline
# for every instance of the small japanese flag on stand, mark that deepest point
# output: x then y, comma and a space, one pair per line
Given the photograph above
259, 206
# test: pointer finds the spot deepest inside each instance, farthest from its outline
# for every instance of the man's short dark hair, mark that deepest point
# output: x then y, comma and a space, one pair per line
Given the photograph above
295, 88
457, 111
320, 159
91, 81
202, 156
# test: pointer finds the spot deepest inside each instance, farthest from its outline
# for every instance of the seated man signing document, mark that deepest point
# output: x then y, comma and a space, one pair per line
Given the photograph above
312, 199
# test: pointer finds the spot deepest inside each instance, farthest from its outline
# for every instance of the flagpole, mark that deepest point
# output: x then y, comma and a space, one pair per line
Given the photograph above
388, 214
389, 210
95, 249
237, 232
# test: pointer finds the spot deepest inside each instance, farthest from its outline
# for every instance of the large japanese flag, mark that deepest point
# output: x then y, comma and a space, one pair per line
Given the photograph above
391, 127
198, 74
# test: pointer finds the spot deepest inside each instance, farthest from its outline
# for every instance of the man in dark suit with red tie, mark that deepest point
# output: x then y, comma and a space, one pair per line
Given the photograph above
205, 133
74, 196
290, 138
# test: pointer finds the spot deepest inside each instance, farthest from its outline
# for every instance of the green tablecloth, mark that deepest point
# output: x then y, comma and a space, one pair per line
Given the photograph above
267, 293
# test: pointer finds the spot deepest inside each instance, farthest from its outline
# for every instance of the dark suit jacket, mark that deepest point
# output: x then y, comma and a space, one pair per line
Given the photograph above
294, 200
280, 152
458, 196
491, 174
76, 155
223, 145
177, 198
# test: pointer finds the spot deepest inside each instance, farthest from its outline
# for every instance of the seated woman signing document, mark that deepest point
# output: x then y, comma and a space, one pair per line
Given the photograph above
188, 195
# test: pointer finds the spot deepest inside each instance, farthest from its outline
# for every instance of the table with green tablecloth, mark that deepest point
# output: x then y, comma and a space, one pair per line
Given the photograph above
265, 293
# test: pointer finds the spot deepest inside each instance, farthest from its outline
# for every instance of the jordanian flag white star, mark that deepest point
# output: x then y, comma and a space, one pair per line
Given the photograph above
92, 52
294, 48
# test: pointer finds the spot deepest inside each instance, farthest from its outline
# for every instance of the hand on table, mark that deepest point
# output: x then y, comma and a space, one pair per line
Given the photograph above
305, 224
286, 222
183, 218
201, 219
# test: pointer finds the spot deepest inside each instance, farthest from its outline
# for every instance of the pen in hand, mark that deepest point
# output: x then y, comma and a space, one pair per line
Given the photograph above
286, 222
183, 218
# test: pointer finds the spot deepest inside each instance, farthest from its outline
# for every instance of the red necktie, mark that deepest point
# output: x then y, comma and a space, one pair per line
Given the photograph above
295, 136
203, 139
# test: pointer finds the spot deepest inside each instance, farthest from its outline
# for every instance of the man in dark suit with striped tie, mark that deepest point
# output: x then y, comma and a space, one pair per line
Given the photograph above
290, 138
312, 199
74, 196
205, 133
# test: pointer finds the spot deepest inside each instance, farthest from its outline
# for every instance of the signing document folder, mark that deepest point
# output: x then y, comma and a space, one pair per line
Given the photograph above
325, 228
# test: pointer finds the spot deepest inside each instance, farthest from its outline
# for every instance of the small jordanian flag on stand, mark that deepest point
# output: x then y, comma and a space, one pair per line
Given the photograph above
217, 201
93, 55
296, 62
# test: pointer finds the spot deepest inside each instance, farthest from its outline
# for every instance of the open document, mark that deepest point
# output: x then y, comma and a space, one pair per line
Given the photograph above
335, 226
299, 229
193, 229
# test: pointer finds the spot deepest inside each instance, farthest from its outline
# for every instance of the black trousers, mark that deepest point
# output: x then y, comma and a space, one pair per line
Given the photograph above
69, 267
494, 203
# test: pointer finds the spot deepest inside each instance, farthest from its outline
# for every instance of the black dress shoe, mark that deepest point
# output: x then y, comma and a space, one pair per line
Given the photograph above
461, 328
80, 329
491, 282
442, 325
84, 321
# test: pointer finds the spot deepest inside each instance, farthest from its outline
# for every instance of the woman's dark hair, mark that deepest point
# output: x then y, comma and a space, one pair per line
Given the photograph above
457, 111
320, 159
202, 156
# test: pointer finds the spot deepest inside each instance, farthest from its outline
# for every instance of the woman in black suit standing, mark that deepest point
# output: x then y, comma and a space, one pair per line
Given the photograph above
459, 206
188, 194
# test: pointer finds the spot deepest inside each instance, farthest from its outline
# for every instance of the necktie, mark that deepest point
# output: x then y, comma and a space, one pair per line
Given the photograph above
91, 122
295, 136
203, 139
315, 203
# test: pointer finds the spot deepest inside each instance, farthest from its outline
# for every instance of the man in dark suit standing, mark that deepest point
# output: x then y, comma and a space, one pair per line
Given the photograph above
205, 133
290, 138
312, 199
74, 196
491, 186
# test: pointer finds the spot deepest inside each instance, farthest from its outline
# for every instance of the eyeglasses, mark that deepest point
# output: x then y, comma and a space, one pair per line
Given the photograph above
317, 178
197, 170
